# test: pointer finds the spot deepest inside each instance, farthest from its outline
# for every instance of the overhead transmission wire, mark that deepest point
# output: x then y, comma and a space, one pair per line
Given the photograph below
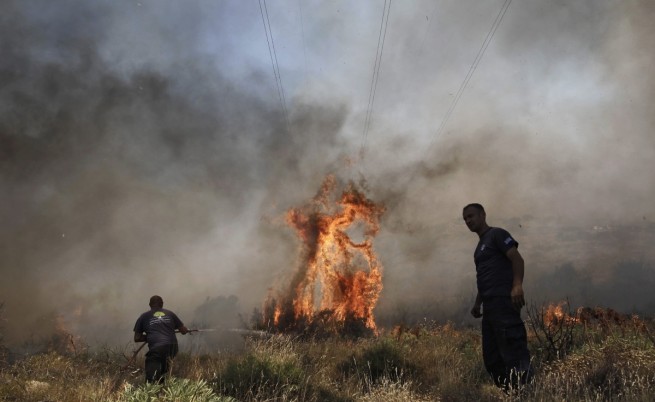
384, 23
474, 66
469, 74
472, 69
274, 63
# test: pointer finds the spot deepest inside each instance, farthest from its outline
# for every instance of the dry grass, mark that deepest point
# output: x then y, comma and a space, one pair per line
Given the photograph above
432, 363
56, 377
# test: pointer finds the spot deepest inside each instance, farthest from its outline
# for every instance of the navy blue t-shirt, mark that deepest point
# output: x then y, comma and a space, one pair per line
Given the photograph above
159, 325
494, 270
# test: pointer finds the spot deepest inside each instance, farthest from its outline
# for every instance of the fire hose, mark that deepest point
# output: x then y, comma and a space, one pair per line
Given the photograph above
241, 331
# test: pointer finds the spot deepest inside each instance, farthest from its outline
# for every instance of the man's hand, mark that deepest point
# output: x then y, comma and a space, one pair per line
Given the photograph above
518, 299
183, 330
475, 311
140, 337
518, 268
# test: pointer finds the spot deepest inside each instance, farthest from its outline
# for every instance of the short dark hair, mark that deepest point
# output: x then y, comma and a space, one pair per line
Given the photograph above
156, 301
475, 205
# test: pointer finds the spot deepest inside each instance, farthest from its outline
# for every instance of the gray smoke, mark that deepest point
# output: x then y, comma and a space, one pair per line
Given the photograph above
144, 150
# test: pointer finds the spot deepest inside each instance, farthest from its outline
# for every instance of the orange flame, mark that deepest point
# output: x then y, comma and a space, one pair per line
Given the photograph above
554, 315
338, 274
63, 340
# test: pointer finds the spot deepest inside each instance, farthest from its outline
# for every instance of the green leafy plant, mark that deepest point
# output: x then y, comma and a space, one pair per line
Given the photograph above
175, 390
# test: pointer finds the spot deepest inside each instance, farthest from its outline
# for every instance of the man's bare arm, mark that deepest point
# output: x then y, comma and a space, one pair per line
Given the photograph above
518, 269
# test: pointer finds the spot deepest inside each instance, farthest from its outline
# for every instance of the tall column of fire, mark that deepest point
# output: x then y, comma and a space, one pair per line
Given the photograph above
338, 278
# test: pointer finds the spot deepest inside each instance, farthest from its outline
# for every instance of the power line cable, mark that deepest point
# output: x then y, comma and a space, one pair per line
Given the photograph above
273, 56
384, 23
473, 67
467, 78
279, 75
376, 70
462, 87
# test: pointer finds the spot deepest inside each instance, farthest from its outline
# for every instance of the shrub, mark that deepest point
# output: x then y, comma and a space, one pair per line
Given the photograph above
381, 360
261, 376
554, 334
617, 369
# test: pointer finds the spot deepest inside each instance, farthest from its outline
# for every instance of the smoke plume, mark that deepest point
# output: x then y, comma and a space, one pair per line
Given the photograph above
145, 149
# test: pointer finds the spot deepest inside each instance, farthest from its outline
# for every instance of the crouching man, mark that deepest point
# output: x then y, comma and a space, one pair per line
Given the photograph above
157, 327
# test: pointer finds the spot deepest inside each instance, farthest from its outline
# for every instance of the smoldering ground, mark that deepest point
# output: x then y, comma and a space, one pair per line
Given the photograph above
144, 150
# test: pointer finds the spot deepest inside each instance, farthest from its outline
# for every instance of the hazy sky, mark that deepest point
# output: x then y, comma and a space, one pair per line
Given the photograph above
144, 149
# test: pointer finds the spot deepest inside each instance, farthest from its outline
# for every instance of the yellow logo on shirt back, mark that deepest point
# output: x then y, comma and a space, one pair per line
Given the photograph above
159, 314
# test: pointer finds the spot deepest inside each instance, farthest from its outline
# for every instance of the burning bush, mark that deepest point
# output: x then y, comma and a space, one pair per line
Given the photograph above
338, 283
553, 327
557, 328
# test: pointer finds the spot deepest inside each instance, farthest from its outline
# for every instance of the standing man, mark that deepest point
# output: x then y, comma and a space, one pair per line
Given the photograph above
499, 272
157, 327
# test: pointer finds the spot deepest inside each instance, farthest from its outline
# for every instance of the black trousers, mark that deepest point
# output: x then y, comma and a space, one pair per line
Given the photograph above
505, 343
157, 362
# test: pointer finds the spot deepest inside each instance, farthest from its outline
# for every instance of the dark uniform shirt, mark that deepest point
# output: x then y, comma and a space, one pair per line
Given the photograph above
494, 269
159, 325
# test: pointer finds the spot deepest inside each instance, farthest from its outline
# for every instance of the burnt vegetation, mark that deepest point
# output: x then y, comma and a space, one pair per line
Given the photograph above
585, 353
321, 325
